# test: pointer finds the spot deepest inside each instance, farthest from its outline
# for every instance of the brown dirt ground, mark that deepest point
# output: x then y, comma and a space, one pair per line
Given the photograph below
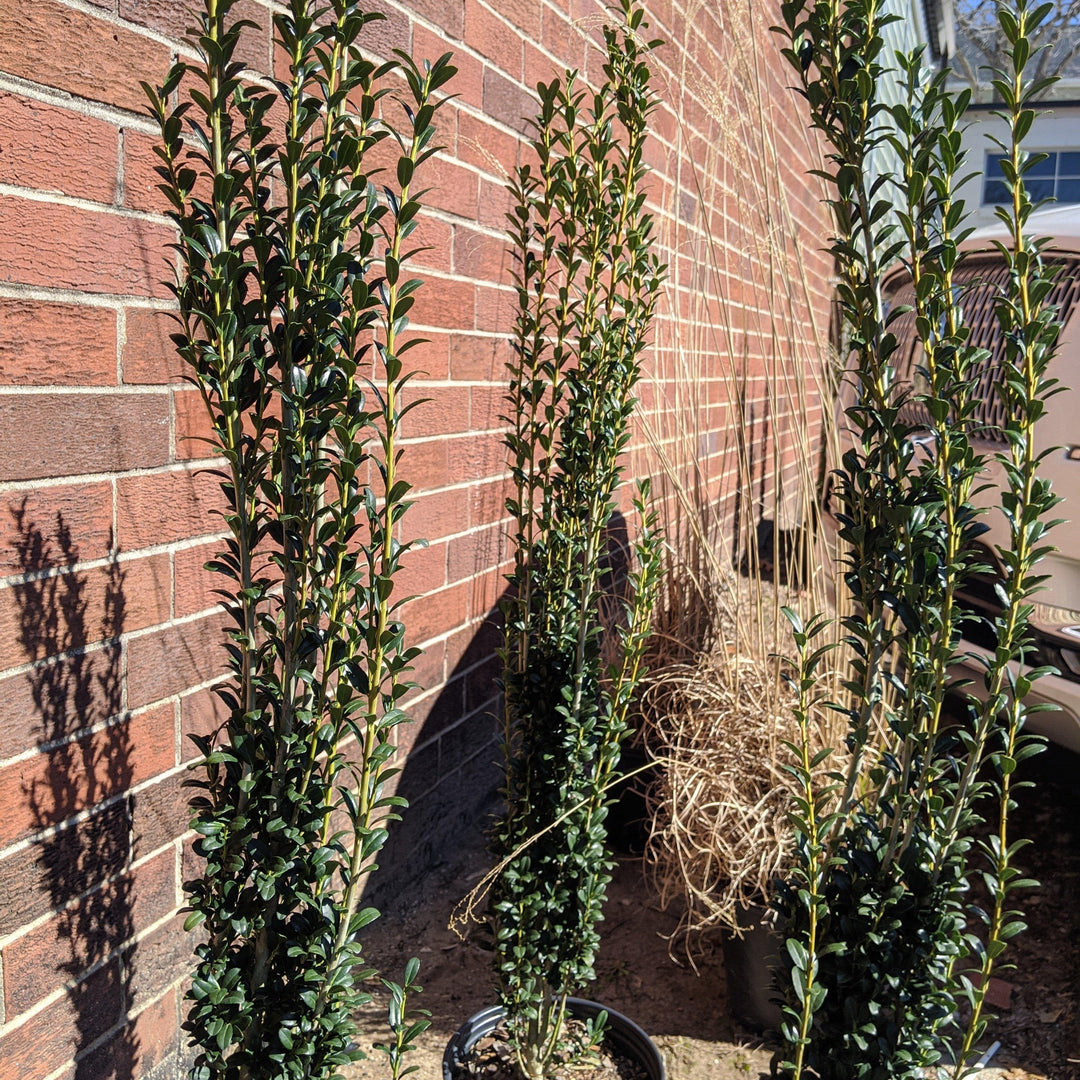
686, 1011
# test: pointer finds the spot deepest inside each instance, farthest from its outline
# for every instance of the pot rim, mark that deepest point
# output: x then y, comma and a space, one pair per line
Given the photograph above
634, 1039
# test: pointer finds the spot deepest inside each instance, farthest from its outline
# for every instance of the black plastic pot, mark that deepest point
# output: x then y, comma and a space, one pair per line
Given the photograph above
621, 1033
749, 963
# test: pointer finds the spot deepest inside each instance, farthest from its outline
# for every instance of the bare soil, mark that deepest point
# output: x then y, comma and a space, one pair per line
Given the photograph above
685, 1011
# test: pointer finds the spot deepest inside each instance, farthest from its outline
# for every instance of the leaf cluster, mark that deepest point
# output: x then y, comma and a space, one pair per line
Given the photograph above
292, 305
879, 959
587, 283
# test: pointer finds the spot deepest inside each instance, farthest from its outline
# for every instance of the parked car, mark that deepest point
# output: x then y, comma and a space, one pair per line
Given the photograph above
1056, 620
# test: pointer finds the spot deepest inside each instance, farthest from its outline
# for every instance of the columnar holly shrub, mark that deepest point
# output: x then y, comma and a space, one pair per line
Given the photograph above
886, 977
587, 284
293, 302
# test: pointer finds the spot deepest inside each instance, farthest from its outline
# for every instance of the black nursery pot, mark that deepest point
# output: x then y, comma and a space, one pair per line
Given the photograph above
621, 1032
749, 965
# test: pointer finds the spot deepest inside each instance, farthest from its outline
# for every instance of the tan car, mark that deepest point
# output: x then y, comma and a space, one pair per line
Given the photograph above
1056, 624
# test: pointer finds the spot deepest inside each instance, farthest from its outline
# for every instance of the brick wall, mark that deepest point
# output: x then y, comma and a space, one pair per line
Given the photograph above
108, 633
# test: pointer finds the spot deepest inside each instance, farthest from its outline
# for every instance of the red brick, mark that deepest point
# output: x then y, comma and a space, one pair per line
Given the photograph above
194, 585
447, 304
175, 20
424, 464
475, 358
493, 38
484, 593
62, 948
433, 517
423, 570
524, 14
194, 429
562, 38
159, 814
434, 237
473, 553
496, 310
476, 456
97, 252
484, 145
43, 435
488, 406
444, 409
161, 958
50, 43
383, 36
54, 526
435, 614
429, 359
507, 100
454, 188
58, 699
201, 713
140, 1046
999, 994
487, 501
495, 204
482, 256
43, 344
447, 15
166, 507
52, 1037
140, 179
481, 690
148, 355
48, 616
169, 661
475, 644
468, 84
539, 67
37, 141
51, 787
51, 872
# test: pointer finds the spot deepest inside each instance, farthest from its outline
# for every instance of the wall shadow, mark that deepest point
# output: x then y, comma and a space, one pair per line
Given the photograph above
453, 775
81, 866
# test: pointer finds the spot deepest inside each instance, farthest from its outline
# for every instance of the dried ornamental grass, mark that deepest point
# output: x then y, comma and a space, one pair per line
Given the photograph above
719, 834
717, 712
719, 806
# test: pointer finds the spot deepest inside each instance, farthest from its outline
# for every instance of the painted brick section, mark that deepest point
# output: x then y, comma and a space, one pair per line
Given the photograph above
56, 699
87, 932
60, 246
50, 43
109, 637
35, 136
54, 526
45, 344
48, 434
50, 787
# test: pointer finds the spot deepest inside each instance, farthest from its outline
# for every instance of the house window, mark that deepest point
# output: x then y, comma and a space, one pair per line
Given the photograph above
1057, 177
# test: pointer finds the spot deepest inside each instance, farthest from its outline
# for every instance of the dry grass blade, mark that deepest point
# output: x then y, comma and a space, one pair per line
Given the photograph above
742, 508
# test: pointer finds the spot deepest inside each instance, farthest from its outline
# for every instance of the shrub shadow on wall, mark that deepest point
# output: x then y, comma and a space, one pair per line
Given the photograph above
69, 627
453, 771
